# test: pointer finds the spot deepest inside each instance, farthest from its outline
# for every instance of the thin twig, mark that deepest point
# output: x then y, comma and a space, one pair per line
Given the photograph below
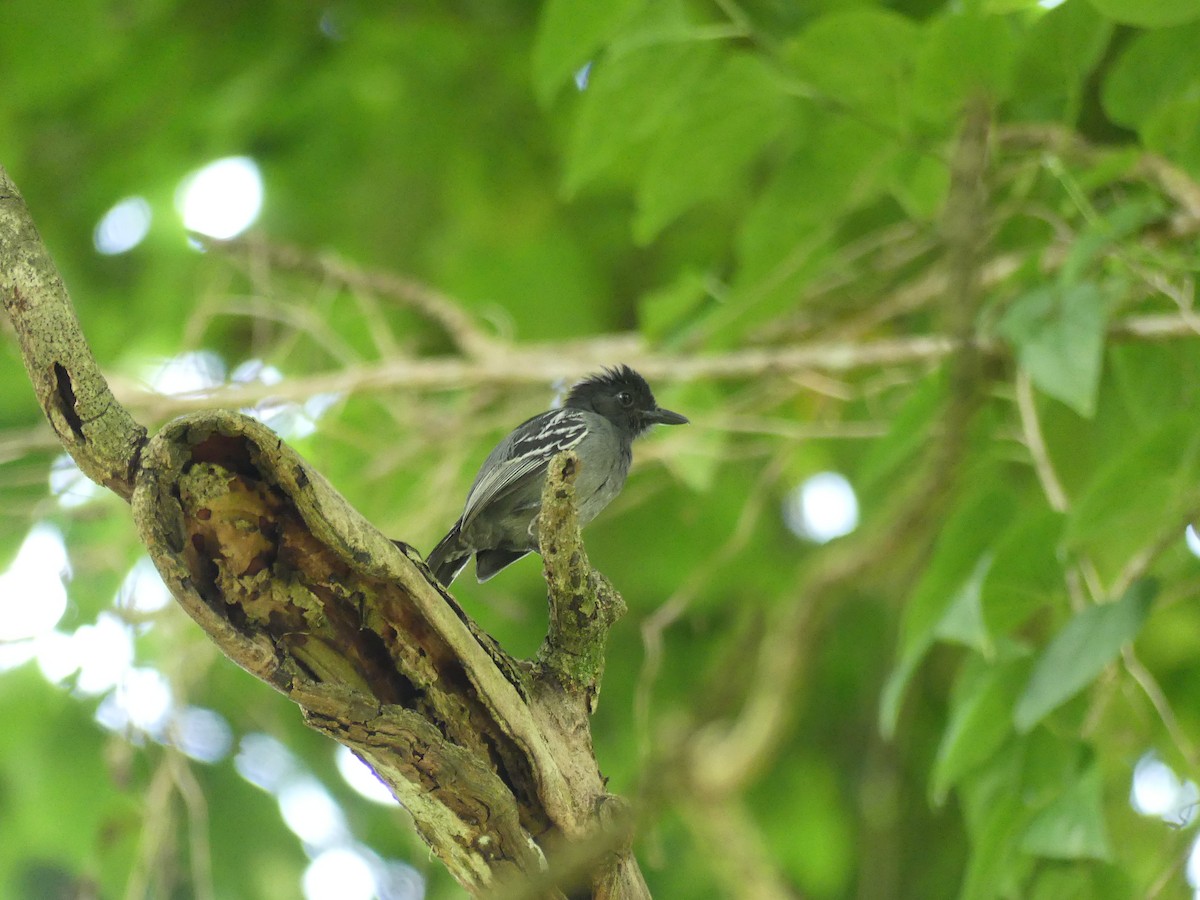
1031, 429
676, 605
1169, 535
1162, 706
156, 830
547, 363
421, 298
1171, 180
197, 809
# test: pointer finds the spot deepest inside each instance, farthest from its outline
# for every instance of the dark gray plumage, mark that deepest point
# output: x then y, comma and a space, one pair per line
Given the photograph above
599, 420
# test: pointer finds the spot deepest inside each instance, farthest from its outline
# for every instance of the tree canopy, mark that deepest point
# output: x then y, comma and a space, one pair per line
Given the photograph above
935, 261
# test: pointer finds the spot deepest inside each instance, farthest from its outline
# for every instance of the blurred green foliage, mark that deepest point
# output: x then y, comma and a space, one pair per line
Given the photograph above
724, 176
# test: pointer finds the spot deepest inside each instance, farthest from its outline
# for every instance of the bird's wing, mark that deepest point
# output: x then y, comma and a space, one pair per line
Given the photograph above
522, 454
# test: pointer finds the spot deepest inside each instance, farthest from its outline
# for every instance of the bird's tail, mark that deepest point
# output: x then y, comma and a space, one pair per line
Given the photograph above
448, 558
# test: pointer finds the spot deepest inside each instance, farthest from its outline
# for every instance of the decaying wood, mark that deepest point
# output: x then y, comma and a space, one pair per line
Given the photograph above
491, 755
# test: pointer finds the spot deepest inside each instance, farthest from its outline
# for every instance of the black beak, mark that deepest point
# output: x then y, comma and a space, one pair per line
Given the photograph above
660, 416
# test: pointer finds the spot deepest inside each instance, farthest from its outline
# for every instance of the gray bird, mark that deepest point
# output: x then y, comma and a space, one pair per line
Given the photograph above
599, 421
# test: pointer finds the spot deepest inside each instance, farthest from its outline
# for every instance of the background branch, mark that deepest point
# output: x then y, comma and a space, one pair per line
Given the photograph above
427, 301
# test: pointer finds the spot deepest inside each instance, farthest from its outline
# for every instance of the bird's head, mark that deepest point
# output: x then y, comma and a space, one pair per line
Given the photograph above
622, 396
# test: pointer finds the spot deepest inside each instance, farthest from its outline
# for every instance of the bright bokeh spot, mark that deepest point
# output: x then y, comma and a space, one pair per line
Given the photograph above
399, 881
198, 370
32, 594
222, 199
56, 656
145, 696
142, 701
255, 371
123, 227
822, 508
142, 590
339, 874
1192, 539
290, 420
1155, 786
103, 653
265, 762
312, 814
1157, 791
1193, 868
361, 778
203, 734
16, 653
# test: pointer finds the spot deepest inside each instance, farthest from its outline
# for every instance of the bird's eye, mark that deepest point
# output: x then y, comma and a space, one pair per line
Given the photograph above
625, 399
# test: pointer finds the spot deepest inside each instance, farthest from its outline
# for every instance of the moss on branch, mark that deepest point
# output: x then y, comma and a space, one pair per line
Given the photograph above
583, 603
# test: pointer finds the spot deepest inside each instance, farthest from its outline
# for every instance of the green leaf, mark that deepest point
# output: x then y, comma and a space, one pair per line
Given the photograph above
862, 59
980, 717
1174, 130
1025, 572
1094, 881
1072, 826
999, 799
1155, 381
703, 147
1006, 6
889, 458
963, 540
1058, 54
82, 35
56, 792
919, 181
1119, 222
840, 166
639, 89
997, 818
1086, 645
1058, 333
963, 622
1155, 481
569, 32
1149, 13
1048, 761
964, 55
891, 699
668, 313
1154, 69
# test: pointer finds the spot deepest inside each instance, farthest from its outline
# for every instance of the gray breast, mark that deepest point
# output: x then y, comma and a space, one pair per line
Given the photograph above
604, 464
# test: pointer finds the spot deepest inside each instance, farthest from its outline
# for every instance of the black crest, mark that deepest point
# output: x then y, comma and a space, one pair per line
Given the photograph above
610, 383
